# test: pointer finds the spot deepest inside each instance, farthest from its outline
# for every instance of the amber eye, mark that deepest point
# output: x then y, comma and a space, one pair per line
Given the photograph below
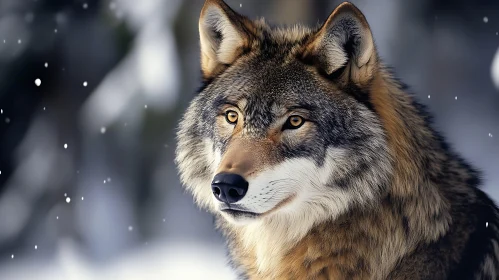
294, 122
231, 117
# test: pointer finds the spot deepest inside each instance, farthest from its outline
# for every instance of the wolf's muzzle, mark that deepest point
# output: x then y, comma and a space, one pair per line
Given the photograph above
229, 187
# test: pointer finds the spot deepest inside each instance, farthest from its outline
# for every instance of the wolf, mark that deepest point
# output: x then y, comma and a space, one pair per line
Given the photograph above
318, 164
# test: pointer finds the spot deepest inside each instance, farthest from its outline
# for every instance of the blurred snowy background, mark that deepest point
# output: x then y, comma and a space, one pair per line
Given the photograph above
91, 92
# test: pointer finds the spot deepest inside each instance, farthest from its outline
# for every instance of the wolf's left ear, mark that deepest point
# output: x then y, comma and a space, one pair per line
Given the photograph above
224, 35
344, 42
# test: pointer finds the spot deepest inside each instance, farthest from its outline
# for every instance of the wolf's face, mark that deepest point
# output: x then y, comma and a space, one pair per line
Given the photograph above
276, 132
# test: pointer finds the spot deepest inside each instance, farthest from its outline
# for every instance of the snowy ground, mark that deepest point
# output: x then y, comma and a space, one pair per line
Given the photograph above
151, 262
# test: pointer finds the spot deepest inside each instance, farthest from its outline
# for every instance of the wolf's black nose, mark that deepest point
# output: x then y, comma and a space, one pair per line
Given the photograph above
228, 187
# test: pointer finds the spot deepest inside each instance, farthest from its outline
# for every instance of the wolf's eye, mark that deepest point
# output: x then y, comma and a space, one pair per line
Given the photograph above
231, 117
293, 122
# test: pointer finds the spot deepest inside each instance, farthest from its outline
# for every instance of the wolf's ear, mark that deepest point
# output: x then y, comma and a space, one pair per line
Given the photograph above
344, 43
224, 35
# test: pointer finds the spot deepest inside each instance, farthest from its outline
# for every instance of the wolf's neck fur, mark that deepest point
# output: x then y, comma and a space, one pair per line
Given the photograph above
366, 243
418, 158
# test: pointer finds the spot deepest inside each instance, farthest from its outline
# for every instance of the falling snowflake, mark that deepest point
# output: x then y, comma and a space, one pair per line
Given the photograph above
103, 130
85, 5
1, 111
487, 224
12, 256
38, 82
65, 146
19, 41
46, 64
130, 228
428, 96
240, 5
485, 19
55, 30
36, 247
85, 83
145, 106
68, 199
455, 98
57, 217
7, 120
82, 198
495, 69
65, 194
108, 179
164, 220
490, 135
43, 108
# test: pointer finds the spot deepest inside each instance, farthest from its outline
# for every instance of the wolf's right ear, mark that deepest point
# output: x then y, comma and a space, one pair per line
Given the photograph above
344, 41
224, 36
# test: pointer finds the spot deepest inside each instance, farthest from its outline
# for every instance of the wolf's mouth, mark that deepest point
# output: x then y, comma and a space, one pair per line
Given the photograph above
236, 211
239, 213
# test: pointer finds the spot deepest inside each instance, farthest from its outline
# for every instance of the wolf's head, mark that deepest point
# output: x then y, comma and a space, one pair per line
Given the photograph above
283, 128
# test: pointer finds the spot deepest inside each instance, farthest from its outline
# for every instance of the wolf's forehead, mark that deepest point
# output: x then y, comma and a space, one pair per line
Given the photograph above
259, 110
267, 89
275, 93
263, 109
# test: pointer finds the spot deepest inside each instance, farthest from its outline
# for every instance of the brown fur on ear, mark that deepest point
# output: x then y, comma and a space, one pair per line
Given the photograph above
224, 36
344, 40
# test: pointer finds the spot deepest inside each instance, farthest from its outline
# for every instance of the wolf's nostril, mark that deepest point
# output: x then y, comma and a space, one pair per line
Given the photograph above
234, 193
216, 191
